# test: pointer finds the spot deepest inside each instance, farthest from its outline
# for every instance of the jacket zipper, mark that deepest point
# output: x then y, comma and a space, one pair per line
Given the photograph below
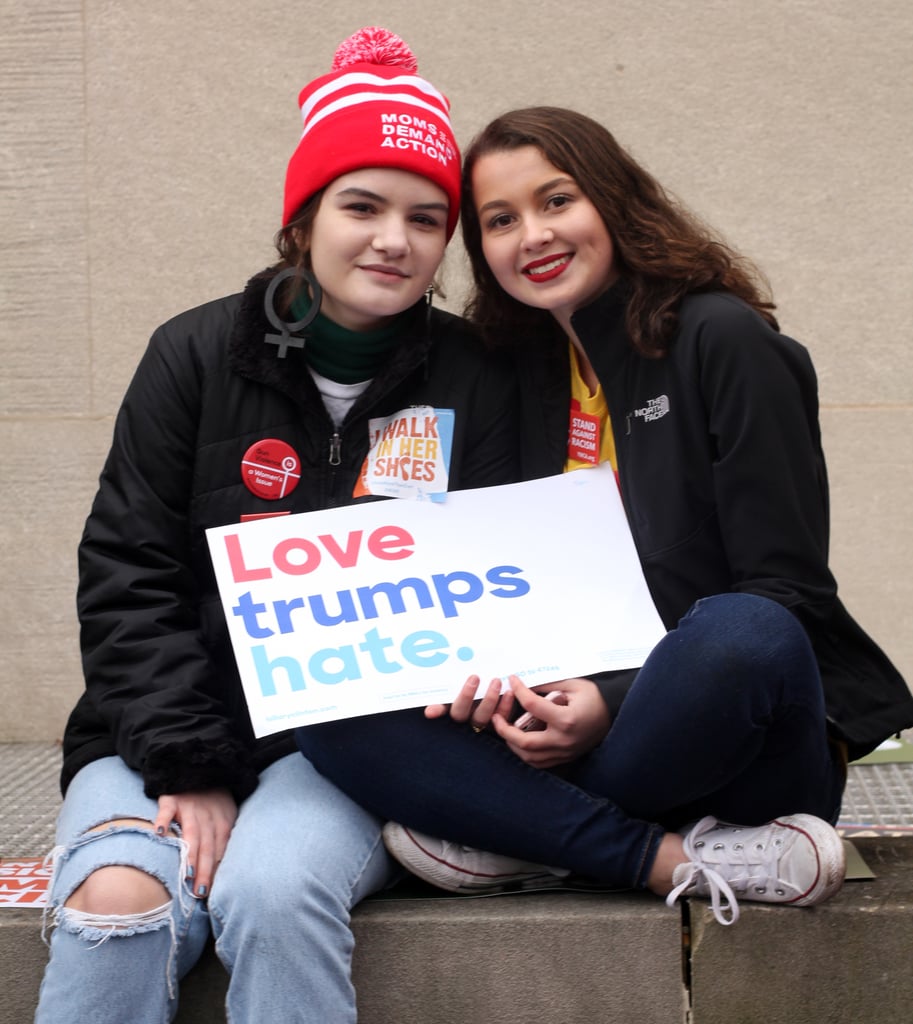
335, 450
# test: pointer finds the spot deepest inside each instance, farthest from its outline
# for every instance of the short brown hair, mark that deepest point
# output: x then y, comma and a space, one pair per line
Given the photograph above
293, 245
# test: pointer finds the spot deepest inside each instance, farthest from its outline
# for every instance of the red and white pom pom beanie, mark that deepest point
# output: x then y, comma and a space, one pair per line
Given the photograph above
373, 110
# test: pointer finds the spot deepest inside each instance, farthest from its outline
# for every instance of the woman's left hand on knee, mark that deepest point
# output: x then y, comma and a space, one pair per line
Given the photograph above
206, 819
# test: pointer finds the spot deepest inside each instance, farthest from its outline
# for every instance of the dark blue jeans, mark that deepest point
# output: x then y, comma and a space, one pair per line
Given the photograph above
726, 717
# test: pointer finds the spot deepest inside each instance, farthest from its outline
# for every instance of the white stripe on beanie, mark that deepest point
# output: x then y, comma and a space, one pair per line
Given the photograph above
375, 82
407, 99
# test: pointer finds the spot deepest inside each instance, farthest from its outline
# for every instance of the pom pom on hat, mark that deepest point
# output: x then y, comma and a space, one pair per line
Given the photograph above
374, 46
373, 110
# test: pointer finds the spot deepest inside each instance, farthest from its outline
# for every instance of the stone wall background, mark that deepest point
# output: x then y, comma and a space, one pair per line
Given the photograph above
142, 154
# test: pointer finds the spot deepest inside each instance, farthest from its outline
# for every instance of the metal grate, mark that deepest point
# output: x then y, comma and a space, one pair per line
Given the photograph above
878, 799
29, 798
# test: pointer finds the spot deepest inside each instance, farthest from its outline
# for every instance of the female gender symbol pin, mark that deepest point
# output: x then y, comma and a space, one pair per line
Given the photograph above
285, 339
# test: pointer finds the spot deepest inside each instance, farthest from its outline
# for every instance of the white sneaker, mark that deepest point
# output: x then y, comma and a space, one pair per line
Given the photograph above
463, 868
797, 860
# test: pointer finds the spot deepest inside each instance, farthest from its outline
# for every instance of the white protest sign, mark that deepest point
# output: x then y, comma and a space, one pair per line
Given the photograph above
393, 604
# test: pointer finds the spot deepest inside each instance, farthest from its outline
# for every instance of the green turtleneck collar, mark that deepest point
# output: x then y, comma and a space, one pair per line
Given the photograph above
341, 355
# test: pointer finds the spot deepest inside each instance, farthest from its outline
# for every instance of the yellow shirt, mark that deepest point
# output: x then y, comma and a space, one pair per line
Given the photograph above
595, 415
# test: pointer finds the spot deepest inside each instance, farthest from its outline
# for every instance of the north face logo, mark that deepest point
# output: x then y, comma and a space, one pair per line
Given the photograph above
655, 409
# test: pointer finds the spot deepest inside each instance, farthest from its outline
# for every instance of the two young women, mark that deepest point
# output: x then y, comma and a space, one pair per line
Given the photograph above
621, 307
177, 823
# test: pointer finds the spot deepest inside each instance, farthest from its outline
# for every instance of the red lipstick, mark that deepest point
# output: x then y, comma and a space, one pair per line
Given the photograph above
548, 267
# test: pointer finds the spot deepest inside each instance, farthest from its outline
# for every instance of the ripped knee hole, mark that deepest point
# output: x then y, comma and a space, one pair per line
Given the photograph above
118, 889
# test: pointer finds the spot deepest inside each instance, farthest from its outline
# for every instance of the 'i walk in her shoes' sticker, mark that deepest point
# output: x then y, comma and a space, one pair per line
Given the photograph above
409, 455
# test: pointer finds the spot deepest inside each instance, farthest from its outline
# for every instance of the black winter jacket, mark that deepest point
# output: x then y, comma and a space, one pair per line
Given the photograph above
723, 481
162, 690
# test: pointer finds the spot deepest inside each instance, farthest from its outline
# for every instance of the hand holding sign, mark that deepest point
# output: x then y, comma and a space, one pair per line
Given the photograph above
475, 705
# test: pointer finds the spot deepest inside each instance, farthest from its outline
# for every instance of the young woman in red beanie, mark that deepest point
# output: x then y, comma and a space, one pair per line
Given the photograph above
177, 823
622, 308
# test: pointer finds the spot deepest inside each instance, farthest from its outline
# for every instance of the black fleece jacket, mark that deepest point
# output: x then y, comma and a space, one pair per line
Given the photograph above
723, 481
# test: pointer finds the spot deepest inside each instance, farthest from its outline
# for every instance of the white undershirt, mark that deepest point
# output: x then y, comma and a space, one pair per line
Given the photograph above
338, 398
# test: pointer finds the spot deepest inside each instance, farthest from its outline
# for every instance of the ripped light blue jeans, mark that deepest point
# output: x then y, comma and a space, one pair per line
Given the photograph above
301, 855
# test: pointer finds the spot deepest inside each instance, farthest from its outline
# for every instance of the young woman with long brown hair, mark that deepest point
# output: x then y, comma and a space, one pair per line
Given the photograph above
717, 768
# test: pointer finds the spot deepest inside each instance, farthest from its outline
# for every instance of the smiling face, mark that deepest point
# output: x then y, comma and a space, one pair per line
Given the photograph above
375, 244
543, 239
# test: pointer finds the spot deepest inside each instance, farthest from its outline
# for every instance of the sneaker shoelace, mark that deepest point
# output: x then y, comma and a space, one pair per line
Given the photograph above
759, 873
717, 887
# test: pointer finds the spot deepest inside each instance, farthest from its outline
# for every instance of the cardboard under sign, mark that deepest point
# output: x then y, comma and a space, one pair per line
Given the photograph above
386, 605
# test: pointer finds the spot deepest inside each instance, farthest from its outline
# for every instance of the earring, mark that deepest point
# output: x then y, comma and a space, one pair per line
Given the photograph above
429, 304
284, 339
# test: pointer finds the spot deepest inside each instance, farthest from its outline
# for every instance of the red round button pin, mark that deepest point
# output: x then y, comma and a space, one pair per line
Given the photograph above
271, 469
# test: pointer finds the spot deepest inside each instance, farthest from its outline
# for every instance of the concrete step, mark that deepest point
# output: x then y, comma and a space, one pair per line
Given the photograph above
587, 958
573, 958
847, 961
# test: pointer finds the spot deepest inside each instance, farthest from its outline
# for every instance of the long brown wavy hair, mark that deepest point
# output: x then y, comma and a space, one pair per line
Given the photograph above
662, 251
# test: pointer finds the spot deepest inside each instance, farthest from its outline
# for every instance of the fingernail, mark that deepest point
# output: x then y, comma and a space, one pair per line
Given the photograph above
190, 871
201, 892
160, 831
